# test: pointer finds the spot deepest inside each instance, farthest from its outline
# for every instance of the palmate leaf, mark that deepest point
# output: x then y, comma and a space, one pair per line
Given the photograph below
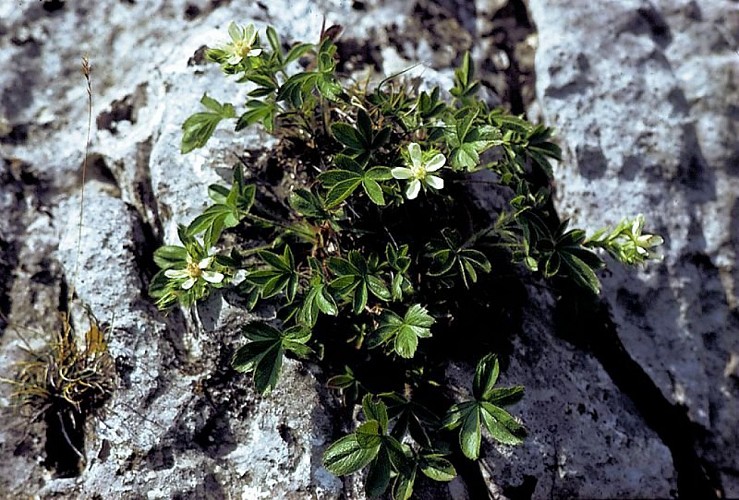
451, 257
263, 356
346, 456
403, 332
369, 445
467, 139
342, 181
279, 275
230, 208
264, 112
360, 141
318, 299
198, 128
565, 253
356, 277
470, 416
306, 203
410, 418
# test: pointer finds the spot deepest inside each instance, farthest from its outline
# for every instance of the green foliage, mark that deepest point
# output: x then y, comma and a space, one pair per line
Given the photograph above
372, 250
484, 410
403, 332
263, 355
200, 126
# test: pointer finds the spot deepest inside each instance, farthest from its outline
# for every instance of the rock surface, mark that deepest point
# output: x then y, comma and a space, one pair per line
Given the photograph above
644, 96
645, 105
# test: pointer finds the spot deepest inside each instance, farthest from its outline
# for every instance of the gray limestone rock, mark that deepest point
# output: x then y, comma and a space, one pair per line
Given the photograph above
642, 94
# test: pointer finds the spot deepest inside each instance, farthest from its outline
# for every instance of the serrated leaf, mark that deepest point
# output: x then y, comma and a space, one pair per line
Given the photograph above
406, 342
470, 436
403, 486
346, 456
199, 127
378, 475
368, 434
501, 425
375, 410
437, 468
169, 256
347, 135
486, 375
505, 396
374, 191
403, 332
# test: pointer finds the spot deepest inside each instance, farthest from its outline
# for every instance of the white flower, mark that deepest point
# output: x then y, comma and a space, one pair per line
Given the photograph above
195, 271
418, 171
644, 243
242, 42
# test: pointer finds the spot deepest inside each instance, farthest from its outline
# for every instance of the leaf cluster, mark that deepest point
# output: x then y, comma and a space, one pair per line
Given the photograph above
376, 244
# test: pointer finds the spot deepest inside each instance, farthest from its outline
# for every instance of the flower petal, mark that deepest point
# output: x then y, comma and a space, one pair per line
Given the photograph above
212, 276
414, 150
205, 263
413, 188
254, 52
250, 34
234, 31
234, 59
401, 173
435, 163
176, 273
189, 282
435, 182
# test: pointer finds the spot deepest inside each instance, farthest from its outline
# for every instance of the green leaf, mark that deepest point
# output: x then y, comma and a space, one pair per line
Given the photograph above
263, 355
437, 468
279, 276
470, 435
374, 191
403, 332
267, 370
403, 486
378, 475
451, 257
264, 112
326, 302
368, 434
306, 203
198, 128
360, 297
346, 456
486, 375
348, 136
505, 396
582, 273
501, 425
297, 51
406, 342
274, 42
375, 410
169, 256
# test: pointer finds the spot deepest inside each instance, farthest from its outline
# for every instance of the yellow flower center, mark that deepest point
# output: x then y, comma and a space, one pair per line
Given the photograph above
193, 270
419, 172
241, 48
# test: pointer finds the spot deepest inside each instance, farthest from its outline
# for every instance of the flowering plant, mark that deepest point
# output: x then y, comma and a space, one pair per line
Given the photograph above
419, 172
370, 280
